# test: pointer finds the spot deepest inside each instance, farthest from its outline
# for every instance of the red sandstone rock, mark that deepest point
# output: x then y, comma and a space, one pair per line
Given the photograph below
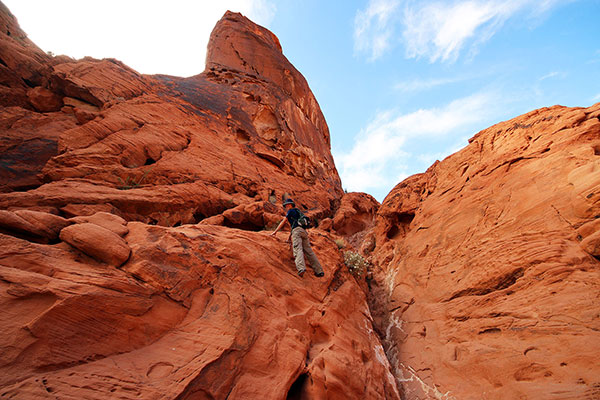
98, 82
11, 222
589, 228
355, 214
24, 65
194, 311
355, 221
485, 283
28, 141
257, 216
482, 285
140, 140
97, 242
148, 142
112, 222
237, 44
49, 224
206, 309
326, 224
33, 225
591, 244
43, 100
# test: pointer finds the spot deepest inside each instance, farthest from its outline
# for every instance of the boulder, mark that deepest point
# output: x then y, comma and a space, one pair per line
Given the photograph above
591, 244
37, 226
12, 223
355, 221
106, 220
326, 224
97, 242
44, 100
256, 216
49, 224
356, 214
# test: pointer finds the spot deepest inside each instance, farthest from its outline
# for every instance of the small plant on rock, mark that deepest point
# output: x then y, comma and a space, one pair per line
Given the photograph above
130, 182
340, 243
356, 263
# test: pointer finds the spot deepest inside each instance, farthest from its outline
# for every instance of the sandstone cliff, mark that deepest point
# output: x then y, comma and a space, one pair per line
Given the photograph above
136, 263
488, 277
134, 259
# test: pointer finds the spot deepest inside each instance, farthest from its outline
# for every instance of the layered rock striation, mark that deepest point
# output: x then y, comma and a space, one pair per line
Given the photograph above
134, 259
487, 265
98, 136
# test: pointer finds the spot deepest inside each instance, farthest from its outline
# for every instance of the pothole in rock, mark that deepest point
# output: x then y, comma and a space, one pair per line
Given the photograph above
400, 224
242, 136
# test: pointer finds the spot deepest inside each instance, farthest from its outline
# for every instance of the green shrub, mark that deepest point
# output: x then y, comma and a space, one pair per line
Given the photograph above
357, 265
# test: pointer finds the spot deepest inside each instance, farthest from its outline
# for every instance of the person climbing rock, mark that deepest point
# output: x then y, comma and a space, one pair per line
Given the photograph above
300, 242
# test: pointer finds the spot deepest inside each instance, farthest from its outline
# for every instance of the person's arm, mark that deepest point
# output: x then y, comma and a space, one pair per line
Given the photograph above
279, 226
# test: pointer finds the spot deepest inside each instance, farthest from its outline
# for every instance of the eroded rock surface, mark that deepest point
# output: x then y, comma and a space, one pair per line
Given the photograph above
135, 263
134, 259
198, 311
168, 150
487, 269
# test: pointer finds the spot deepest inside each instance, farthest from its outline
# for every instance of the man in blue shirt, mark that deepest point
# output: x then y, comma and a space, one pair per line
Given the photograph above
300, 242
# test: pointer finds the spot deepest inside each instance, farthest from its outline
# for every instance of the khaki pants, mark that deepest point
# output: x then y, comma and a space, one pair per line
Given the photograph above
301, 245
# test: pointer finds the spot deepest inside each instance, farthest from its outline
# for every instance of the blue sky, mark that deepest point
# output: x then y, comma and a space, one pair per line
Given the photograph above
401, 82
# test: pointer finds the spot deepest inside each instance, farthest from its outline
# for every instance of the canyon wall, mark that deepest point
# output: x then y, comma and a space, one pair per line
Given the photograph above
487, 273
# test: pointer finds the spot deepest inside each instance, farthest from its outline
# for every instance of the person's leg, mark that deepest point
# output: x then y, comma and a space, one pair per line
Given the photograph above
310, 254
298, 253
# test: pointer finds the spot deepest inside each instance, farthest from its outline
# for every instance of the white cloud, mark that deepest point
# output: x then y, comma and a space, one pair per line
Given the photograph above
380, 151
151, 36
418, 85
596, 98
373, 27
553, 74
541, 7
439, 30
548, 76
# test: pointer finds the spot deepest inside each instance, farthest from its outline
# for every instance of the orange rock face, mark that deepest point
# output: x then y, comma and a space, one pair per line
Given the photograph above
167, 150
134, 259
355, 220
198, 311
487, 270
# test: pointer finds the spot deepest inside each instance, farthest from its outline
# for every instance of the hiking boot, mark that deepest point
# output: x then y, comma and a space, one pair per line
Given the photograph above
319, 274
300, 273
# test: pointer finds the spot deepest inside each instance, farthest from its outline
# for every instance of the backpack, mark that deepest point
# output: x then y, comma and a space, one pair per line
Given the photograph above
304, 222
